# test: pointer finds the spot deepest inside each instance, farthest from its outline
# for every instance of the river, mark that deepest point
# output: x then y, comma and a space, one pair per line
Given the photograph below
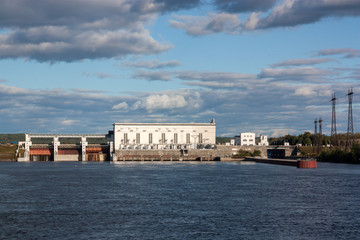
175, 200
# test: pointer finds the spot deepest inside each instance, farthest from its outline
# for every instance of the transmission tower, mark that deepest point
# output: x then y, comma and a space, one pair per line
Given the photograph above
350, 129
333, 121
315, 133
320, 135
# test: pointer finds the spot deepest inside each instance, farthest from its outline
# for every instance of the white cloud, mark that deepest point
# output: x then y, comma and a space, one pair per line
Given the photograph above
68, 122
301, 61
305, 91
312, 90
281, 132
212, 23
153, 76
153, 64
87, 90
155, 102
12, 90
348, 52
120, 106
213, 76
294, 74
101, 75
77, 45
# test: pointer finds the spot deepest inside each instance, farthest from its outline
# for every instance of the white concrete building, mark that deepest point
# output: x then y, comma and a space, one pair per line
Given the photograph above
263, 140
163, 135
247, 139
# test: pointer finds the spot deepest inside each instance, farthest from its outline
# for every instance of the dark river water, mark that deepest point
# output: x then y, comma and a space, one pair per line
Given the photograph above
47, 200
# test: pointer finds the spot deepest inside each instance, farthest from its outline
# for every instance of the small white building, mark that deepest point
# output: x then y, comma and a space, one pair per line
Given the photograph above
247, 139
263, 140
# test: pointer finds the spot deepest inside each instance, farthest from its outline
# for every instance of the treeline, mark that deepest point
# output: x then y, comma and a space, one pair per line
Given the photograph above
305, 139
19, 137
11, 138
222, 140
308, 139
339, 155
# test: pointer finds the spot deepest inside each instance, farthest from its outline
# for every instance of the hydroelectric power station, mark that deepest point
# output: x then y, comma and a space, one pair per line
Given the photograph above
147, 142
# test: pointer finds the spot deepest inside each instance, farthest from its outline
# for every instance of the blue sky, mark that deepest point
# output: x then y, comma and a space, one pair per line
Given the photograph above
264, 66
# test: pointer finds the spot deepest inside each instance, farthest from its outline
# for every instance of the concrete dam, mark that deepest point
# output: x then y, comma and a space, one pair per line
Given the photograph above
85, 151
56, 151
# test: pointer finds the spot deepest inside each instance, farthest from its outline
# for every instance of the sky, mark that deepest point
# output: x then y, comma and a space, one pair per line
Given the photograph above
263, 66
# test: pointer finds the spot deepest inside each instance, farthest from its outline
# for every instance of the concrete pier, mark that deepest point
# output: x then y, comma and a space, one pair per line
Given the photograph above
301, 163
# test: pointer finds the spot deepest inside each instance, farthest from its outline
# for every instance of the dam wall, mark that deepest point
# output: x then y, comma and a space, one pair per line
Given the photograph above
221, 151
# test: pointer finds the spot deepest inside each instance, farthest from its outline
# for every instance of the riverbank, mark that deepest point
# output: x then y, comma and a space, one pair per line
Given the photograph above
8, 152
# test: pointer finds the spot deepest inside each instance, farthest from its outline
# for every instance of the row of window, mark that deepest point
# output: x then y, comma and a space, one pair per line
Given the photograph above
131, 130
245, 140
162, 140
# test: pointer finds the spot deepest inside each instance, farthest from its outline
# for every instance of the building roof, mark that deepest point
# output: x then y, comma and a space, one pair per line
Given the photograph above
166, 124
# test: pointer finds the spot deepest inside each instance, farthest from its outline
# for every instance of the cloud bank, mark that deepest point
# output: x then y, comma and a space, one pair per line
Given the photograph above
286, 13
50, 31
270, 102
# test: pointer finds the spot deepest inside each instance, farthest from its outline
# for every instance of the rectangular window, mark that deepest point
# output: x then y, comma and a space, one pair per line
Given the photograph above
163, 138
188, 138
126, 138
200, 138
150, 138
175, 138
137, 138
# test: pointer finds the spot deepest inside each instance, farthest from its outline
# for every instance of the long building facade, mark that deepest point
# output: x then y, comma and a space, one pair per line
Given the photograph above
172, 140
164, 135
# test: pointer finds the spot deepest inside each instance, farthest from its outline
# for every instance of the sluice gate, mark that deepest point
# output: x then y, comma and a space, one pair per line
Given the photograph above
74, 153
83, 151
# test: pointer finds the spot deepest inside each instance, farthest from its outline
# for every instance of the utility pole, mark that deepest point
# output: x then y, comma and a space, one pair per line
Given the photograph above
333, 122
350, 129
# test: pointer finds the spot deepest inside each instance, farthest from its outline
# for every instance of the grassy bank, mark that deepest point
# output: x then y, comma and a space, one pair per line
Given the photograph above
7, 152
